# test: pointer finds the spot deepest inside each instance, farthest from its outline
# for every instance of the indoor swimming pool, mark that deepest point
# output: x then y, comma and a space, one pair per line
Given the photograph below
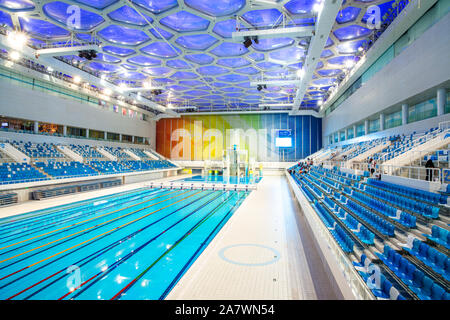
130, 245
222, 179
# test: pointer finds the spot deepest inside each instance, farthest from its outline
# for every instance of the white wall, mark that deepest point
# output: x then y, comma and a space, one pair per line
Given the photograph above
421, 66
25, 103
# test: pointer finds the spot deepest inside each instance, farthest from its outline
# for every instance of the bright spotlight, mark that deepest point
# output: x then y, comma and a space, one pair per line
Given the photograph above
77, 79
122, 86
14, 55
300, 73
349, 63
147, 84
107, 91
318, 7
17, 39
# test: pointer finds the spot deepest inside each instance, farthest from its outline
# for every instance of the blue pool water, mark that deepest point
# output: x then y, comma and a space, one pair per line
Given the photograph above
131, 245
222, 179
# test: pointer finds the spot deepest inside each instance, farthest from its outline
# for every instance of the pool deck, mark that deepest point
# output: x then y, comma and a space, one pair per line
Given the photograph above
265, 250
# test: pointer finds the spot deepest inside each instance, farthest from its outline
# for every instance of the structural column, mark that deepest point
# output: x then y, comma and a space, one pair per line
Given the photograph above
354, 131
120, 137
87, 133
65, 130
105, 135
404, 114
36, 127
366, 127
346, 134
441, 100
382, 122
132, 139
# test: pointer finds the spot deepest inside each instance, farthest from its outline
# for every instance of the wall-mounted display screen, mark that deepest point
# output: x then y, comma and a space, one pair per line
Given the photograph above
283, 139
283, 142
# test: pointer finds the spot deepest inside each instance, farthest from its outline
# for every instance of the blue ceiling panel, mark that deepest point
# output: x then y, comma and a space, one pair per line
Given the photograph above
351, 32
196, 42
17, 5
216, 8
5, 18
227, 49
247, 70
107, 58
348, 14
184, 21
161, 49
158, 71
263, 18
42, 29
128, 15
288, 54
123, 35
271, 44
211, 70
225, 28
300, 6
232, 78
123, 52
161, 34
199, 58
178, 64
104, 67
181, 75
156, 6
144, 61
233, 62
60, 12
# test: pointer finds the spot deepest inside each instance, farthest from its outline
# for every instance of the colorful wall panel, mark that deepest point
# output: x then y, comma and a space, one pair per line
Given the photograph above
206, 137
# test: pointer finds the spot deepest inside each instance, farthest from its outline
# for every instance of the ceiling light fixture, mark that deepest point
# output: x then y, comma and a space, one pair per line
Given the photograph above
14, 55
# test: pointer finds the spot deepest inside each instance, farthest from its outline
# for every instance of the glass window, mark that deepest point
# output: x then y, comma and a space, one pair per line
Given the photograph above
392, 120
76, 132
360, 130
350, 133
113, 136
374, 125
423, 110
95, 134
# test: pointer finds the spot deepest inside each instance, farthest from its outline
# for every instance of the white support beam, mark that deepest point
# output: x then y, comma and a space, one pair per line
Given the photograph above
62, 51
275, 82
324, 24
143, 89
270, 105
296, 32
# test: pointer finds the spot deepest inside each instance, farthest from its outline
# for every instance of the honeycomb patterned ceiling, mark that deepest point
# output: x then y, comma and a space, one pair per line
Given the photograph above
187, 48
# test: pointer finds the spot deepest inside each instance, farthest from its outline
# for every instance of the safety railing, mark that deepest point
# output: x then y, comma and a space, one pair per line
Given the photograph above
439, 162
418, 173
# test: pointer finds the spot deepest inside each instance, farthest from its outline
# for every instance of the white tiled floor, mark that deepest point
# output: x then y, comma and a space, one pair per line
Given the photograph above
266, 218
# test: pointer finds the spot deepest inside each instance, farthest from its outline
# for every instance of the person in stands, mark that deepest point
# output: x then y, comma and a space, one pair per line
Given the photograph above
429, 165
371, 166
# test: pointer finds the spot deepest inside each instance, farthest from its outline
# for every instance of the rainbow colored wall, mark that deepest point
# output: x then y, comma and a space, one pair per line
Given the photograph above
205, 137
